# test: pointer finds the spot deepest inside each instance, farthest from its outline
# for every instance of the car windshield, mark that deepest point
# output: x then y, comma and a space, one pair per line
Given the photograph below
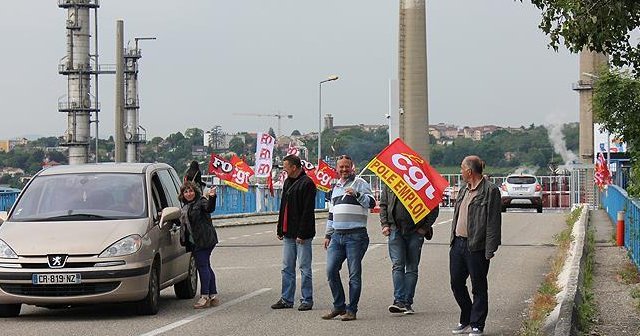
521, 180
82, 197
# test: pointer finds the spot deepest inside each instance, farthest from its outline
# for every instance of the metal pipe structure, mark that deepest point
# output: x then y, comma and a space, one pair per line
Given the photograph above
412, 73
132, 135
76, 65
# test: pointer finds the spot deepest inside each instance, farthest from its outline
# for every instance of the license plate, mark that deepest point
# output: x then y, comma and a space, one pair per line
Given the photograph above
55, 278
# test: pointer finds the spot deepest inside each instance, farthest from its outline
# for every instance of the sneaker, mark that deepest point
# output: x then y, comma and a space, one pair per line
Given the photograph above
214, 301
349, 316
203, 302
460, 329
476, 332
305, 306
409, 310
397, 307
281, 304
330, 315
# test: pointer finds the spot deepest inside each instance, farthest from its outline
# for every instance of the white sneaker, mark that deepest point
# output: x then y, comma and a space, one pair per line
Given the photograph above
460, 329
475, 332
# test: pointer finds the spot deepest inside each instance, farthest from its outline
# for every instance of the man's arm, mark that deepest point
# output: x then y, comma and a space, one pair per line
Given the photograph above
308, 217
494, 222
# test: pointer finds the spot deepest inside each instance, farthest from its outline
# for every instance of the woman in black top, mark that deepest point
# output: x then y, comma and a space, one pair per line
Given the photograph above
200, 237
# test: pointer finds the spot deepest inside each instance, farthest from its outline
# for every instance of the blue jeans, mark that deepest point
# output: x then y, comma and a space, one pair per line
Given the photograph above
352, 247
302, 252
404, 251
462, 264
207, 277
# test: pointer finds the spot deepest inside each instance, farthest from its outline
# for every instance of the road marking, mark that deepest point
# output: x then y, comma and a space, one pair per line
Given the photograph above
205, 313
246, 236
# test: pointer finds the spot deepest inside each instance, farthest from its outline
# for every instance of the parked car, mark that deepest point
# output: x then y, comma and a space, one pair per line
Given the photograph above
521, 191
94, 233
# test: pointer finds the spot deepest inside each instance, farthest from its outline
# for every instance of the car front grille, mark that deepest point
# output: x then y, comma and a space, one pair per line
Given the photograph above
60, 290
67, 265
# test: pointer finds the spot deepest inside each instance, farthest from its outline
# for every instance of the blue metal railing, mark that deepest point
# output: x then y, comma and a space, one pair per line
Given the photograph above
257, 199
616, 199
7, 198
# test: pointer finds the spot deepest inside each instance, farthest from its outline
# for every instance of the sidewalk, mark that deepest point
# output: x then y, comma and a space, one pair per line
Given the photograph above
616, 311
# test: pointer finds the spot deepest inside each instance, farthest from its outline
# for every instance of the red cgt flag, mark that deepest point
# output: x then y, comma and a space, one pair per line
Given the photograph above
416, 184
234, 173
601, 176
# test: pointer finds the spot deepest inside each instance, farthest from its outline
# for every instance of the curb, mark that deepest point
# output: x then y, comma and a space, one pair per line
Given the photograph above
560, 321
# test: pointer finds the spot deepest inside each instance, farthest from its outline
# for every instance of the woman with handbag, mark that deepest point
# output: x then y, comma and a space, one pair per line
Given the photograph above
199, 236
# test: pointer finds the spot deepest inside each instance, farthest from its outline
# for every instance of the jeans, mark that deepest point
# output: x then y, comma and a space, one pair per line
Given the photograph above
404, 251
462, 264
207, 277
352, 247
302, 252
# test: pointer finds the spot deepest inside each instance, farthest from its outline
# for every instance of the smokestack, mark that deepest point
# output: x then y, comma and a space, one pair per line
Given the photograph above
119, 104
412, 76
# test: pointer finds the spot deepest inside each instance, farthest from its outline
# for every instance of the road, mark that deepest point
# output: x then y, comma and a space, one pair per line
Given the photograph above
247, 266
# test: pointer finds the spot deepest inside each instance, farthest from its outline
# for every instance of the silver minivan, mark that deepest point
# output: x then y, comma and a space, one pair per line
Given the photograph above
95, 233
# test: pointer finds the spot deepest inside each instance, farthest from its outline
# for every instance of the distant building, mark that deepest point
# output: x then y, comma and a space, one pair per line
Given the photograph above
11, 171
7, 145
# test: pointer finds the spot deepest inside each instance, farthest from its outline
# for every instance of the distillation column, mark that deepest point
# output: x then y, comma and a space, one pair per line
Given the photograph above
412, 75
132, 136
76, 65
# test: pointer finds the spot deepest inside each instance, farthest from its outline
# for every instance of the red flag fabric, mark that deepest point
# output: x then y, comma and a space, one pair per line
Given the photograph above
601, 175
321, 176
416, 184
270, 184
234, 173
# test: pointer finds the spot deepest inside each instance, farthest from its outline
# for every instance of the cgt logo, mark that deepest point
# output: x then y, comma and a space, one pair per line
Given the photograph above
57, 260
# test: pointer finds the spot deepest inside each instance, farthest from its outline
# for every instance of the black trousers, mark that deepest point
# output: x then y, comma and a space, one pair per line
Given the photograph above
462, 264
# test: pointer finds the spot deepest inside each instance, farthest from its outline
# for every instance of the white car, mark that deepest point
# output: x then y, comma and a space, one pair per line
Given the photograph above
521, 191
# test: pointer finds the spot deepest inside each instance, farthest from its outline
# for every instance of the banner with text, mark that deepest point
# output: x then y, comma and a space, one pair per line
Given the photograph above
321, 176
234, 173
416, 184
264, 154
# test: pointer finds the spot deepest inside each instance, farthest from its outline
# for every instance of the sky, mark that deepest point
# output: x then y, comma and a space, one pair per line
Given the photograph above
488, 63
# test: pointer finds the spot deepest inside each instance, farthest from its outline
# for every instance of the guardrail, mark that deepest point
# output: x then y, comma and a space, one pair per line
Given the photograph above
257, 199
614, 199
7, 198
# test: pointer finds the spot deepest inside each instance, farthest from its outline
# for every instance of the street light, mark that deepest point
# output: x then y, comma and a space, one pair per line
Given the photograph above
331, 78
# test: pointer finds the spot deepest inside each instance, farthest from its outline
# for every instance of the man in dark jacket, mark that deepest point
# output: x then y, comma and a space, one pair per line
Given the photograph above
297, 227
405, 247
475, 237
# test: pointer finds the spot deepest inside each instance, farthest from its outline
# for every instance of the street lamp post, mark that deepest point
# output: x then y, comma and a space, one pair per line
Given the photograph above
331, 78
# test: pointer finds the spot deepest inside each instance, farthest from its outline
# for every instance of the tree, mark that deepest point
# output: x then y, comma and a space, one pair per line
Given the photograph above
271, 132
600, 26
296, 133
236, 145
616, 104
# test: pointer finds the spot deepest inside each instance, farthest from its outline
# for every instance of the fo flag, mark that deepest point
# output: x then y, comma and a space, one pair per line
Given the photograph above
264, 154
321, 175
416, 184
601, 175
234, 173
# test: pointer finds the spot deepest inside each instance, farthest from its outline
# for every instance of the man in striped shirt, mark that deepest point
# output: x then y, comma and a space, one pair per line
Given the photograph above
346, 237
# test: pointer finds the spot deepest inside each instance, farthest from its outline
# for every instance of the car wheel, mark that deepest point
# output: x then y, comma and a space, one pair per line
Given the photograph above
150, 304
186, 289
10, 310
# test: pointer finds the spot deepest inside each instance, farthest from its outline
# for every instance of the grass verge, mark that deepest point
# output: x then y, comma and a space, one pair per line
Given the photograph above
587, 306
544, 300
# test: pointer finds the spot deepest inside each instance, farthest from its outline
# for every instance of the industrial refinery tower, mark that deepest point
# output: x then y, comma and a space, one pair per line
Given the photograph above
412, 75
77, 65
134, 134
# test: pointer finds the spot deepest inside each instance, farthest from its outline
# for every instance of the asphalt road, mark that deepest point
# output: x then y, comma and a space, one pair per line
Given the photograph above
247, 266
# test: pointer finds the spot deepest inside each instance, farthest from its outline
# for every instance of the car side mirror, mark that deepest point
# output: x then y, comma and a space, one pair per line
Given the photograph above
3, 216
169, 214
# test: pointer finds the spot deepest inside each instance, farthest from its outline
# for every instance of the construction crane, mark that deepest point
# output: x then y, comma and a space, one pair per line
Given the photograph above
275, 115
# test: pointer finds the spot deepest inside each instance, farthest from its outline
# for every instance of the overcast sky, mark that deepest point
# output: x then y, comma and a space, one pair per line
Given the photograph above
488, 64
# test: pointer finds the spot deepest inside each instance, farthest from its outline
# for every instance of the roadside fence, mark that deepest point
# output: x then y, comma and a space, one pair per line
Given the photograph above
614, 199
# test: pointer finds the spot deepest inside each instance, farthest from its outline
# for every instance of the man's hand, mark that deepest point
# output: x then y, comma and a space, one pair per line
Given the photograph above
386, 231
299, 240
325, 243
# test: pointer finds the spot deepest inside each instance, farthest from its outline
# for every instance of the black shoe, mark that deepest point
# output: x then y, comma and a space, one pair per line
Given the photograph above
409, 310
305, 306
330, 315
397, 307
281, 304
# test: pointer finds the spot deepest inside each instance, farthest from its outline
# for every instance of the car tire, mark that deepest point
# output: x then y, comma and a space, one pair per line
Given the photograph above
10, 310
186, 289
151, 303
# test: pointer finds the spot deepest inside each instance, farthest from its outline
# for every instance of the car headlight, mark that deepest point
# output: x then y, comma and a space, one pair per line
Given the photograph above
6, 251
124, 246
